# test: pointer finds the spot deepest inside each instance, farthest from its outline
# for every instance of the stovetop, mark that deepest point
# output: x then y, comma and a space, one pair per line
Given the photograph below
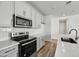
22, 37
25, 40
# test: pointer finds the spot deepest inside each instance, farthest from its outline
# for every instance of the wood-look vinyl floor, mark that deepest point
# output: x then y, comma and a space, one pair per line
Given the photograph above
48, 50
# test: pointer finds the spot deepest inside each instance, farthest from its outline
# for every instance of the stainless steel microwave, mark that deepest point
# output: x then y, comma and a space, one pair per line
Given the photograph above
21, 22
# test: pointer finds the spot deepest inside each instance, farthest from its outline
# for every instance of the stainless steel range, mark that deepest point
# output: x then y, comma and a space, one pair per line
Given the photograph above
27, 44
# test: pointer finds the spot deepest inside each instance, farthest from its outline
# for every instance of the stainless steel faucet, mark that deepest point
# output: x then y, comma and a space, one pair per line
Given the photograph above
76, 33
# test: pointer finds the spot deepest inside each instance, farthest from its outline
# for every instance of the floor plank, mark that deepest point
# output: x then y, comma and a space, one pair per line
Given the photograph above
48, 50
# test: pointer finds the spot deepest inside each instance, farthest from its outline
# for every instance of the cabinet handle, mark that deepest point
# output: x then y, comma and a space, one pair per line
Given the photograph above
10, 50
28, 42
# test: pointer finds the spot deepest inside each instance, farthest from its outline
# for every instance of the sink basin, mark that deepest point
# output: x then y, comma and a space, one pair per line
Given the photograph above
70, 40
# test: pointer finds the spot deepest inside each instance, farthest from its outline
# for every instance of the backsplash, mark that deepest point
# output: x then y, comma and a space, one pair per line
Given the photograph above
4, 35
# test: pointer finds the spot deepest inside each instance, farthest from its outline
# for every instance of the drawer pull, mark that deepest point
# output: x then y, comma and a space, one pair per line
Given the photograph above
10, 50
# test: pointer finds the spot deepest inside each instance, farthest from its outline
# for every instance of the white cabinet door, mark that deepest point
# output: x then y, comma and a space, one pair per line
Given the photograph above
23, 9
42, 19
41, 42
33, 18
38, 20
37, 17
13, 54
19, 7
9, 52
38, 44
27, 11
5, 13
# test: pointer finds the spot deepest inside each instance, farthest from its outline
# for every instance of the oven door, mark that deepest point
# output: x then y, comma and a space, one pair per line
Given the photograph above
28, 48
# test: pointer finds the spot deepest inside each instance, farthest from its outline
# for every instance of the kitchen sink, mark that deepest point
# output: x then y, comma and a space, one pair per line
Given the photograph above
67, 46
70, 40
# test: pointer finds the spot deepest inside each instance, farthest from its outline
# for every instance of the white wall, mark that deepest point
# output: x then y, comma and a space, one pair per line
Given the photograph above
54, 26
47, 28
51, 26
73, 23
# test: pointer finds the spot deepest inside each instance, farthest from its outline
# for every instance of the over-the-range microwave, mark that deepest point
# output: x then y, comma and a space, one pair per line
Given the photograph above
20, 22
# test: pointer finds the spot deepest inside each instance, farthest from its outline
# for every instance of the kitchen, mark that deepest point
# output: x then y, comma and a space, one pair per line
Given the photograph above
28, 28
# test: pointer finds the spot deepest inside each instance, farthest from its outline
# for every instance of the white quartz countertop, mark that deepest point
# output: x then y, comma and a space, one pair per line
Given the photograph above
7, 43
66, 49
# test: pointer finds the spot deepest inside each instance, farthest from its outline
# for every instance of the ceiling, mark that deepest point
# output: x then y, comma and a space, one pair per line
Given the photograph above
56, 8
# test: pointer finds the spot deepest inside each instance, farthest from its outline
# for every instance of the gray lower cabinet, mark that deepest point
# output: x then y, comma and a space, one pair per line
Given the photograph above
10, 52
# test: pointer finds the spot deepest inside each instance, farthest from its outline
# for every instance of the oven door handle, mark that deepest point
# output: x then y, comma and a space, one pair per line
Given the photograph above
28, 42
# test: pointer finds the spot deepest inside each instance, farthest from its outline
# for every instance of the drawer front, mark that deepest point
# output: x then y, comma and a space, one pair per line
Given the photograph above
11, 54
9, 50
